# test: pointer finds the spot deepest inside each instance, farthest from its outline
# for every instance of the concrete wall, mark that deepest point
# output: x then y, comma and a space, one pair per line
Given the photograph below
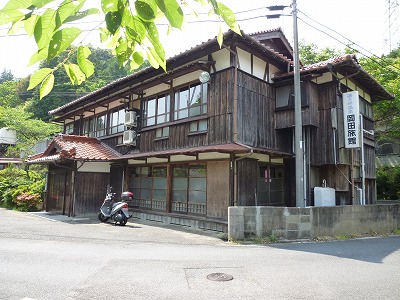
311, 222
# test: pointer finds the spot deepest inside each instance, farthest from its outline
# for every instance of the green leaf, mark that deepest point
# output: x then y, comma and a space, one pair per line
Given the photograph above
152, 60
44, 28
41, 3
220, 37
30, 23
146, 9
17, 25
10, 16
173, 12
47, 86
61, 40
82, 14
38, 77
67, 9
74, 73
38, 56
228, 16
17, 4
137, 61
104, 34
136, 30
109, 5
86, 65
113, 21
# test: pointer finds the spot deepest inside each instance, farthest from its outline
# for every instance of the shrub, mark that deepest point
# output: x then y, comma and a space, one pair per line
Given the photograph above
27, 201
21, 189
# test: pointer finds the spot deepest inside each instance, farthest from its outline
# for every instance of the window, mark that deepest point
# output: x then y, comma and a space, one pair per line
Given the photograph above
190, 101
189, 189
101, 123
95, 126
285, 96
69, 128
117, 119
88, 127
270, 189
198, 126
162, 132
149, 187
156, 110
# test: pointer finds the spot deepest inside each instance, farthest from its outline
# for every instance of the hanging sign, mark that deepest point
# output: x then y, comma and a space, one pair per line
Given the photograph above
351, 117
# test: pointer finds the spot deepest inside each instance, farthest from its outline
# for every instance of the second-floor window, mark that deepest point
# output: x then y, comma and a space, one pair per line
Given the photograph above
156, 110
101, 125
190, 101
95, 126
88, 127
117, 118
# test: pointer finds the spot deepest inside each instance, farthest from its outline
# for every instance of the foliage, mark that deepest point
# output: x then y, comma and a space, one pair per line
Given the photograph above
311, 54
63, 92
29, 131
386, 70
130, 31
6, 75
388, 183
21, 189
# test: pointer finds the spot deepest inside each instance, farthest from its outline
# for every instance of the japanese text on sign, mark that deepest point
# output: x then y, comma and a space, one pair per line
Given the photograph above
351, 113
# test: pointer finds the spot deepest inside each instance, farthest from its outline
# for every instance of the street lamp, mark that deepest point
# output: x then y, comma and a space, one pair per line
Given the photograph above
298, 127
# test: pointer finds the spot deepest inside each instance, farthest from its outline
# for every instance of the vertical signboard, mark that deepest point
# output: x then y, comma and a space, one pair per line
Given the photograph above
351, 117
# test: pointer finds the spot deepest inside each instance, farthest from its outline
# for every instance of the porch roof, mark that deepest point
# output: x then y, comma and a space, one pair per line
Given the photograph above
233, 148
73, 147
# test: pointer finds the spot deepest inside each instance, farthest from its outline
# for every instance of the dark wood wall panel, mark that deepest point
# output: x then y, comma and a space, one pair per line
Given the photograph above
90, 190
247, 170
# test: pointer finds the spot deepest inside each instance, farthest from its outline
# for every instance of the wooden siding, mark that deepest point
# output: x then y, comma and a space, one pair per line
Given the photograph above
220, 107
90, 190
255, 112
218, 189
247, 171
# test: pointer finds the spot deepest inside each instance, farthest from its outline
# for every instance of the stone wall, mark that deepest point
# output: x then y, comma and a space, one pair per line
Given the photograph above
311, 222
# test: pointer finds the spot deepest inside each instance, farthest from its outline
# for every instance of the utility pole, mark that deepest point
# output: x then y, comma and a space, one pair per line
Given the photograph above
301, 198
298, 127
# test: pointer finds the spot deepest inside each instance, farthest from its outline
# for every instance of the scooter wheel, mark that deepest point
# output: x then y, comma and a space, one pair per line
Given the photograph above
123, 222
102, 218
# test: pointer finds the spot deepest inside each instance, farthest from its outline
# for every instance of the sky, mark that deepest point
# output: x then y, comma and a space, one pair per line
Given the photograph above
326, 23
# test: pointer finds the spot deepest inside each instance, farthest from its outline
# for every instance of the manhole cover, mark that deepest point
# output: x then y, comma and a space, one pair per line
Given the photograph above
219, 277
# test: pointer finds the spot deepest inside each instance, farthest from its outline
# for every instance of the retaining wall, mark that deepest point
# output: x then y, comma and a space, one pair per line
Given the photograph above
311, 222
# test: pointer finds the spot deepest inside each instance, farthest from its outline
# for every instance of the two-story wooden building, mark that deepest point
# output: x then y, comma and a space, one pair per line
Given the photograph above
215, 130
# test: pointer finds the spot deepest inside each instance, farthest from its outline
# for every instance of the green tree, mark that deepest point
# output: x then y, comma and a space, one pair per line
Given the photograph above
311, 54
386, 70
6, 75
63, 92
9, 95
29, 131
129, 30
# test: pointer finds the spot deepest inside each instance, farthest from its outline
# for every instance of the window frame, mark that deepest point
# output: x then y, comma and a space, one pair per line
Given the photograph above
160, 114
120, 125
182, 107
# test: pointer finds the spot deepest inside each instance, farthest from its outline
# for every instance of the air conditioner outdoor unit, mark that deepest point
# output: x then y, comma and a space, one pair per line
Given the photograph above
129, 138
131, 118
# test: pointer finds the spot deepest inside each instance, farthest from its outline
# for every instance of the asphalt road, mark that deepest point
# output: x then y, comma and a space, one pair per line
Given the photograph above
53, 257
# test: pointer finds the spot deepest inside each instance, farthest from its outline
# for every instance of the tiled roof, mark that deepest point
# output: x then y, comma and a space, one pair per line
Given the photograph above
346, 64
136, 77
73, 147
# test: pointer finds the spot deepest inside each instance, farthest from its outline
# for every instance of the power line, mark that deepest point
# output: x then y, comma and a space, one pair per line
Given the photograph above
387, 66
